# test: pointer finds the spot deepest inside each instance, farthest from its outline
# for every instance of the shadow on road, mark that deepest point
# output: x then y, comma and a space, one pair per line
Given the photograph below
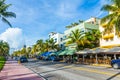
110, 78
55, 70
46, 63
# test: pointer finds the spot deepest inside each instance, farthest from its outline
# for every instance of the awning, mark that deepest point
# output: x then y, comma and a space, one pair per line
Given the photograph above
70, 52
63, 52
46, 54
52, 53
92, 51
114, 49
85, 51
81, 52
97, 50
43, 54
57, 53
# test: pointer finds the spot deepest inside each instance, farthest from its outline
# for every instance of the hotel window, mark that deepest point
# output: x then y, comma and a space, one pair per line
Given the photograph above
92, 22
61, 45
64, 37
55, 39
61, 39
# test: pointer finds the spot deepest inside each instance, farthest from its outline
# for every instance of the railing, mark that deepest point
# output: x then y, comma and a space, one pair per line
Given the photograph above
108, 36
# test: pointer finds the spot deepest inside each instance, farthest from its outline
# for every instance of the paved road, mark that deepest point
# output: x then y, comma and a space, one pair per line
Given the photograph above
62, 71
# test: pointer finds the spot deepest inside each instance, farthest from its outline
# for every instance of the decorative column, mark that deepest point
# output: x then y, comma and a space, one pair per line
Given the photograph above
96, 58
83, 58
115, 56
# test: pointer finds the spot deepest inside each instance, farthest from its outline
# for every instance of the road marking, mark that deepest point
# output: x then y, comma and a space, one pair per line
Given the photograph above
91, 70
68, 66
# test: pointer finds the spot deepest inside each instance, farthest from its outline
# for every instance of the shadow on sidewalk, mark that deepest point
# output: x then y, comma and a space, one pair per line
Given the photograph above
110, 78
21, 77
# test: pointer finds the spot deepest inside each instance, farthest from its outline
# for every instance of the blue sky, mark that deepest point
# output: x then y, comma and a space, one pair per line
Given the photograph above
37, 18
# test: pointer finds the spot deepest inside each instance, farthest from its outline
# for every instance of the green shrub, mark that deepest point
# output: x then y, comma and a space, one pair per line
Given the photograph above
2, 62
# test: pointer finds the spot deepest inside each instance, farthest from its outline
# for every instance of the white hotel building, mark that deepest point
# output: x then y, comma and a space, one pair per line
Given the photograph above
61, 39
107, 41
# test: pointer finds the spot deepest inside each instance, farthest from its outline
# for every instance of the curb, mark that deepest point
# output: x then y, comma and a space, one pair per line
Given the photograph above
37, 73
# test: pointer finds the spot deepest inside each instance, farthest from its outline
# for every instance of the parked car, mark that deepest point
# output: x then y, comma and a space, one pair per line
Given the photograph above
16, 58
115, 63
39, 57
56, 59
23, 59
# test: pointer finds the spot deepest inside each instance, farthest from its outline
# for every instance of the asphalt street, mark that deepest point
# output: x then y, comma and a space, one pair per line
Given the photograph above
64, 71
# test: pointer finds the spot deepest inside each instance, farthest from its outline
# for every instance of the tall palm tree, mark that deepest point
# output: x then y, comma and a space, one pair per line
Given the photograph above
51, 44
78, 38
39, 45
4, 13
34, 49
4, 48
46, 46
113, 19
28, 51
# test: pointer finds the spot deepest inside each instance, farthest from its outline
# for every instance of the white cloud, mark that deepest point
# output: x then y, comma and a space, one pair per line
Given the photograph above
14, 37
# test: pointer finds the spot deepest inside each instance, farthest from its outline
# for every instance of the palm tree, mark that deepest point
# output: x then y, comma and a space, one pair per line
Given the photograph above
68, 26
16, 53
112, 20
23, 52
34, 49
46, 46
4, 48
93, 36
51, 43
78, 38
28, 51
81, 21
39, 45
4, 13
72, 25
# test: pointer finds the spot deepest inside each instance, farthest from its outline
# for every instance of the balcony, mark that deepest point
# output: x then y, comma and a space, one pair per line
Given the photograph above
108, 36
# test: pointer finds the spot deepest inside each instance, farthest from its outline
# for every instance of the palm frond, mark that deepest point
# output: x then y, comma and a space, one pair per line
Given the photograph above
6, 21
2, 2
4, 7
110, 8
117, 25
9, 14
116, 2
107, 18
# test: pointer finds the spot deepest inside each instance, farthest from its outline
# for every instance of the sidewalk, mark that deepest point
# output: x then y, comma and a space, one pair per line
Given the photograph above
14, 71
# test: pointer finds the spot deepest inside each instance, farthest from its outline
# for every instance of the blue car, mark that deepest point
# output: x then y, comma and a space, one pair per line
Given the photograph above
115, 63
23, 59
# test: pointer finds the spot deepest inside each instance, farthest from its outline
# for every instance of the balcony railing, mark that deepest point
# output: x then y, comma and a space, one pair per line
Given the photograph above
108, 36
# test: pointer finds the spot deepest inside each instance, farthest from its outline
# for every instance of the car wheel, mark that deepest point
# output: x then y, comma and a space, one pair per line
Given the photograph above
115, 66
